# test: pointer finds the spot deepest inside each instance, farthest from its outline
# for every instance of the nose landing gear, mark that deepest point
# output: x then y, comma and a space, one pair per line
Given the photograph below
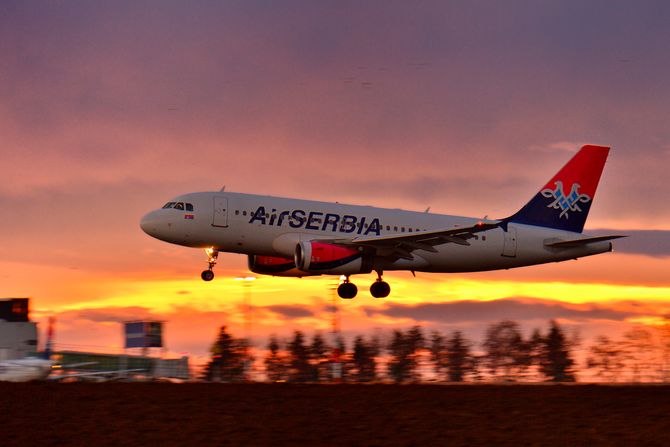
212, 256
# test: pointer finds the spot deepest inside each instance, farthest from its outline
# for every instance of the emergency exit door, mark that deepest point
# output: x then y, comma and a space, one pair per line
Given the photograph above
509, 244
220, 218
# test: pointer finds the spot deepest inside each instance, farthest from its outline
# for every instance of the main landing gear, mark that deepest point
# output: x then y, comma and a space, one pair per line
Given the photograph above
212, 255
378, 289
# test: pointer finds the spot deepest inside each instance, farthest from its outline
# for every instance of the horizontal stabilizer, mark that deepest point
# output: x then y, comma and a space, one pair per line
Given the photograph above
579, 242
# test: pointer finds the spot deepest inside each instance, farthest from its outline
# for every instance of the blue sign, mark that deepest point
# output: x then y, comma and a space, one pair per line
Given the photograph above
144, 334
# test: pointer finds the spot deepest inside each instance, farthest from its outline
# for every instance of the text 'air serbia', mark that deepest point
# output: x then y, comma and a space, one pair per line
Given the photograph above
290, 237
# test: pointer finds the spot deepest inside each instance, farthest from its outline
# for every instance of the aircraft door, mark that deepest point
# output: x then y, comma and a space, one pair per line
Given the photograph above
220, 218
509, 244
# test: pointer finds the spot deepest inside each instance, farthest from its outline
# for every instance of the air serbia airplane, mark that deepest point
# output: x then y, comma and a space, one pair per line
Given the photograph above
291, 237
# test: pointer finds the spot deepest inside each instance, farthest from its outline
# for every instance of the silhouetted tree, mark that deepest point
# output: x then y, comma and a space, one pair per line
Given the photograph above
554, 354
459, 360
664, 350
318, 353
438, 354
404, 351
300, 369
339, 361
275, 362
606, 357
229, 359
506, 351
364, 362
639, 352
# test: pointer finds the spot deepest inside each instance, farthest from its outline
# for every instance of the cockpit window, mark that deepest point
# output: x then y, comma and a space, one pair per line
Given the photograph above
179, 206
189, 207
168, 205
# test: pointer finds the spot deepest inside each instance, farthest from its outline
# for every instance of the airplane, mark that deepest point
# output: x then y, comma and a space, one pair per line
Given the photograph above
294, 237
24, 370
29, 368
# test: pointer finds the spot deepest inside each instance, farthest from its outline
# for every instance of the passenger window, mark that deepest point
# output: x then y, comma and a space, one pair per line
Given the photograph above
395, 229
168, 205
179, 206
189, 207
402, 230
483, 238
244, 213
388, 227
410, 230
237, 212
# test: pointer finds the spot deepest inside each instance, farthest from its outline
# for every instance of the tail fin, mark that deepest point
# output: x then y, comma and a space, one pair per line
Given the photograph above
565, 201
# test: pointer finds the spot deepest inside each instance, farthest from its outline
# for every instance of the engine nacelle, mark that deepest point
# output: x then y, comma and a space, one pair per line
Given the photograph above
275, 266
330, 259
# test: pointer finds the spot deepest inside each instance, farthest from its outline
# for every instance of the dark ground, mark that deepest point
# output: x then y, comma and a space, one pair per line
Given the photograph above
148, 414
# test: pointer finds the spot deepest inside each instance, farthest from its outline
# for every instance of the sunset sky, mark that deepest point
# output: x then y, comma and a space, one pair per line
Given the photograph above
108, 109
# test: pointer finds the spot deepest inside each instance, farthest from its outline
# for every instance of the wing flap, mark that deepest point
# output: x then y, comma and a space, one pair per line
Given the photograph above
402, 246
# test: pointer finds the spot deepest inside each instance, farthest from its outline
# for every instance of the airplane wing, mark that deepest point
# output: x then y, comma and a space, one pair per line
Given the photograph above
402, 246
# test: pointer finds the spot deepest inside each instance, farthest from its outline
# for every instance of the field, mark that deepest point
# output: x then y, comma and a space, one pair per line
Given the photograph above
93, 414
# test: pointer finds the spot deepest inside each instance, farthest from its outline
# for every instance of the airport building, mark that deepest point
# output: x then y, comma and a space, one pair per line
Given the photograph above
18, 335
19, 339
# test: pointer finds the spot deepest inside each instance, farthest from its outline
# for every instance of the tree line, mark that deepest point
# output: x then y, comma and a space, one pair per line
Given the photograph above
404, 356
414, 355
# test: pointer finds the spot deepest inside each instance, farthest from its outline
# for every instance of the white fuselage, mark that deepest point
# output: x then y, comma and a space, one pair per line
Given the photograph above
232, 222
25, 370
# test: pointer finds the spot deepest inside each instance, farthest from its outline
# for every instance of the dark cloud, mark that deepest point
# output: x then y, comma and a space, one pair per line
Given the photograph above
109, 314
654, 243
289, 311
486, 311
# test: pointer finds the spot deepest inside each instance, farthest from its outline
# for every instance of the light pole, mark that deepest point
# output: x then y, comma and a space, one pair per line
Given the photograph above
246, 282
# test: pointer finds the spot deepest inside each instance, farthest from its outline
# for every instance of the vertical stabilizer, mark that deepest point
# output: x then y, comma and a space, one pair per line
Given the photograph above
565, 201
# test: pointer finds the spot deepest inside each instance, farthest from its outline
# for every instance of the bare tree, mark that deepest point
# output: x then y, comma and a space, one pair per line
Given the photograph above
607, 358
507, 355
299, 359
438, 354
405, 350
276, 367
364, 359
639, 353
459, 361
318, 354
555, 360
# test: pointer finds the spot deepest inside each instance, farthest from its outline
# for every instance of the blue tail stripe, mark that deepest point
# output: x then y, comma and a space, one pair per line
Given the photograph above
569, 214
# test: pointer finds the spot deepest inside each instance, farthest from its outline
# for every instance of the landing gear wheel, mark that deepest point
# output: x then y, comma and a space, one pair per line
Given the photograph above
380, 289
212, 256
347, 290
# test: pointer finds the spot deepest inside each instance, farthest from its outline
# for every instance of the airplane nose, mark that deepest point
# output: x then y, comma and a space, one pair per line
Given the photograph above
149, 223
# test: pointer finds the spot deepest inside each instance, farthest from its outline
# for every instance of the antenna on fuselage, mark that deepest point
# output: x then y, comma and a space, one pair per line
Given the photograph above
223, 188
427, 209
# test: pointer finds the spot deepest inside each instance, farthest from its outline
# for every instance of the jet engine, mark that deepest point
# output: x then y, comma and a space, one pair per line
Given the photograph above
330, 259
275, 266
